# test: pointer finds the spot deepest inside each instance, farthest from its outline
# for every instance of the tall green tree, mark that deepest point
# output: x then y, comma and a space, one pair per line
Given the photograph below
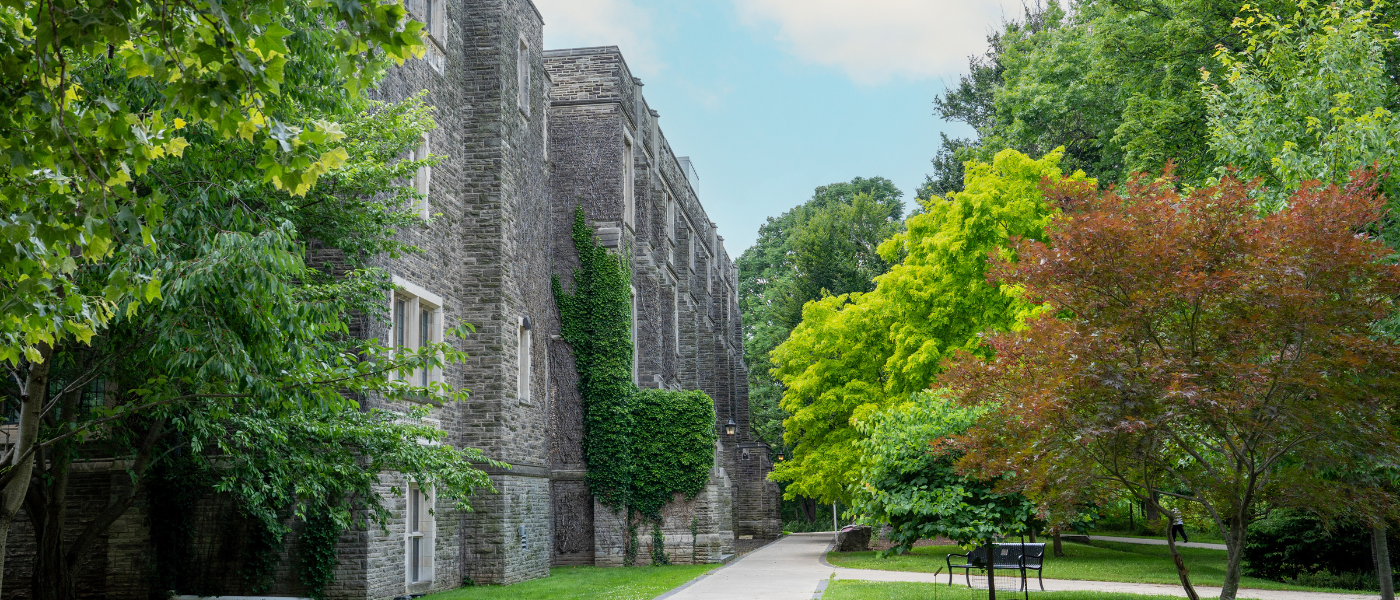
243, 349
1116, 82
97, 94
1308, 98
825, 246
857, 353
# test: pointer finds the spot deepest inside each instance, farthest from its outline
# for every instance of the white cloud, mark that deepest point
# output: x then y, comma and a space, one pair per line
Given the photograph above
621, 23
876, 40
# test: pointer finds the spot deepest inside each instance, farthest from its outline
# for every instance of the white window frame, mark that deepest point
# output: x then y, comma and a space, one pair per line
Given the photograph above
433, 15
635, 363
423, 178
523, 350
419, 502
522, 76
408, 303
670, 217
629, 181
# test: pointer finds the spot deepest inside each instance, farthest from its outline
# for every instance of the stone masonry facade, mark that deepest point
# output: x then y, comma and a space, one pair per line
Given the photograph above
528, 137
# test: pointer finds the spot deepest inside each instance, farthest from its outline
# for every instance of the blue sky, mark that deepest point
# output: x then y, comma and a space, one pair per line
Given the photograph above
772, 98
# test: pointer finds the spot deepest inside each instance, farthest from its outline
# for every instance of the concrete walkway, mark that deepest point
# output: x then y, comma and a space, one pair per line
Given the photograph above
1154, 542
794, 568
788, 569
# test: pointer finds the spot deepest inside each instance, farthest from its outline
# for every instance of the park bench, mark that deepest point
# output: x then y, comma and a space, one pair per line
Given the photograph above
1018, 557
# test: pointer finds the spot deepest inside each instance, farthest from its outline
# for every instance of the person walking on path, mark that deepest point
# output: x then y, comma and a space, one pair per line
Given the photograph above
1179, 526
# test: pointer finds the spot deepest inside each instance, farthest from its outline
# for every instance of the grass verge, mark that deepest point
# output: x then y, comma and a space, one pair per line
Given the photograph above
872, 590
567, 583
1097, 561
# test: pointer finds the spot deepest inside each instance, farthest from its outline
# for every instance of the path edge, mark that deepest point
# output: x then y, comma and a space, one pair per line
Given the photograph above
733, 558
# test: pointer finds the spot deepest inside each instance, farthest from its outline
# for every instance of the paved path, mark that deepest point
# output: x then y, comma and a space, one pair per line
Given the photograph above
793, 569
1154, 542
788, 569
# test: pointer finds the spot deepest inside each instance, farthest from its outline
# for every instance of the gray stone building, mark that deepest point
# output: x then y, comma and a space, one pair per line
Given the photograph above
529, 136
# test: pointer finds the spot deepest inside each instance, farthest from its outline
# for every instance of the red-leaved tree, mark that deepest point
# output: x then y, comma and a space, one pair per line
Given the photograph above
1194, 349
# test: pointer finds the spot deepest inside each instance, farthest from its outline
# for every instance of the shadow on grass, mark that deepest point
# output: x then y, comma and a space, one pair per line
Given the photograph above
1097, 561
870, 590
568, 583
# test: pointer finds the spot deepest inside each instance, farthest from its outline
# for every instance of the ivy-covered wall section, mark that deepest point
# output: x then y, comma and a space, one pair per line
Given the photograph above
596, 320
642, 446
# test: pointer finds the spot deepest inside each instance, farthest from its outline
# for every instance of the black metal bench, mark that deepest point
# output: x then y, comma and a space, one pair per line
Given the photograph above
1008, 557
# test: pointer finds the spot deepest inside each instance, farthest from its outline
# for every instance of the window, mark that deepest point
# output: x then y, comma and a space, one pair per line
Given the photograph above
523, 348
670, 217
416, 319
676, 317
432, 14
419, 531
92, 396
434, 20
634, 336
710, 258
422, 179
629, 175
690, 256
522, 77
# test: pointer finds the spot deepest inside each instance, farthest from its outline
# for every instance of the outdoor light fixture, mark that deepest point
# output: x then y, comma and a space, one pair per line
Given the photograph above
730, 427
780, 456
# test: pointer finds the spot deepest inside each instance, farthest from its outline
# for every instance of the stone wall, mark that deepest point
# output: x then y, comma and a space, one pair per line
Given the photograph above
686, 303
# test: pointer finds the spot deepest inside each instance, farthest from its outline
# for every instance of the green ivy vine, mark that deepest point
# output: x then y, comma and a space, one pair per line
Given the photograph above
596, 321
642, 446
318, 550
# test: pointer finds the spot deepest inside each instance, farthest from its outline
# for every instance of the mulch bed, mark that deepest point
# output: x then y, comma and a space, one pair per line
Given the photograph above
742, 547
883, 544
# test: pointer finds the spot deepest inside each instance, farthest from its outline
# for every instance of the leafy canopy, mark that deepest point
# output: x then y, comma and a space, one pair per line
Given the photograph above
73, 143
856, 353
1309, 97
825, 246
908, 479
1195, 350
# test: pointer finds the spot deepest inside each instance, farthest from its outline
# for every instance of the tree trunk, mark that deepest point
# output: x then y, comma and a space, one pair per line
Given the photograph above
20, 461
991, 571
1149, 511
1181, 571
1055, 541
1380, 551
1234, 551
47, 507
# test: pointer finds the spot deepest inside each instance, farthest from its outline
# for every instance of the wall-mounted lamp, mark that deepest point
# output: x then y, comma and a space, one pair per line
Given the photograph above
730, 427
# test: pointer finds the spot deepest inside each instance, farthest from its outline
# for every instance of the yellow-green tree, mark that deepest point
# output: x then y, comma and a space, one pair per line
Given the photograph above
857, 353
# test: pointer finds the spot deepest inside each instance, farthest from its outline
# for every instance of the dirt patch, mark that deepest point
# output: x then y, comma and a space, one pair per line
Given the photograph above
742, 547
884, 544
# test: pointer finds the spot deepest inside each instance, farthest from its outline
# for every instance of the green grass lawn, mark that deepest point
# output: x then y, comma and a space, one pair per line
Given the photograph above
871, 590
1099, 561
565, 583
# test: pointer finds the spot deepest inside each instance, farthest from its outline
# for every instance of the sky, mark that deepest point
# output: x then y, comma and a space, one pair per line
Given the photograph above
772, 98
